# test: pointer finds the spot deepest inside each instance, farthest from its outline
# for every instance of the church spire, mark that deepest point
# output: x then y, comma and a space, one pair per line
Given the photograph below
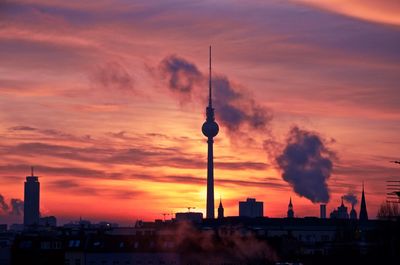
220, 209
290, 212
363, 207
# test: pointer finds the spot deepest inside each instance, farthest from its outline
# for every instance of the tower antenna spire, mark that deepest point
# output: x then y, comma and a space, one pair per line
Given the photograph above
32, 171
210, 129
209, 81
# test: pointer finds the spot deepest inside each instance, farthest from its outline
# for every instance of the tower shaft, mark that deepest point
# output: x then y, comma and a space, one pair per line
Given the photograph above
210, 179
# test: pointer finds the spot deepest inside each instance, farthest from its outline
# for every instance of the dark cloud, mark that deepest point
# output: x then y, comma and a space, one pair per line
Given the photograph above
73, 186
47, 133
22, 128
17, 207
58, 171
306, 164
351, 198
146, 155
235, 109
189, 179
113, 76
3, 205
182, 76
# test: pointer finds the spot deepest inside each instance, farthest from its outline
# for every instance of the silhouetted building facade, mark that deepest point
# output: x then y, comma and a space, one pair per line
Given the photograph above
340, 212
210, 129
251, 208
31, 200
189, 217
363, 207
48, 221
220, 210
290, 212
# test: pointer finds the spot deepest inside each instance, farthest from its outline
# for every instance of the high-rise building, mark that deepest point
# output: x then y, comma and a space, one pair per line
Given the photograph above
251, 208
210, 129
322, 209
363, 207
31, 200
290, 212
220, 210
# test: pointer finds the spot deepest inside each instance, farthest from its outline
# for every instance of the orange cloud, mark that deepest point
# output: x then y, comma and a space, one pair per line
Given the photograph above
380, 11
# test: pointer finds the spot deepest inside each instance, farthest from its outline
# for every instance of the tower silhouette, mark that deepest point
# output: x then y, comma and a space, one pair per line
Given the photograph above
220, 210
31, 200
290, 212
210, 129
363, 207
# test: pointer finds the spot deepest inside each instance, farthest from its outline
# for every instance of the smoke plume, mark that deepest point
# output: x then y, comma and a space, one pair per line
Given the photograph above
182, 76
235, 109
3, 205
220, 247
305, 161
113, 76
17, 207
306, 164
350, 198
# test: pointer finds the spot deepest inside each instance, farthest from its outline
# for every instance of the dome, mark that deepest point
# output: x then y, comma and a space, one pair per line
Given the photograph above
210, 128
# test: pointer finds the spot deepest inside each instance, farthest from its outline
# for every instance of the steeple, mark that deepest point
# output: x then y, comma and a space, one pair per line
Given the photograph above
220, 210
290, 212
210, 129
363, 207
353, 213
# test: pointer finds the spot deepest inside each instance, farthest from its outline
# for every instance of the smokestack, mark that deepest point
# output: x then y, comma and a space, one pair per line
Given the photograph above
322, 209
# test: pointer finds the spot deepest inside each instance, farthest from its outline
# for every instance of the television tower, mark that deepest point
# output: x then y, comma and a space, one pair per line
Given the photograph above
210, 129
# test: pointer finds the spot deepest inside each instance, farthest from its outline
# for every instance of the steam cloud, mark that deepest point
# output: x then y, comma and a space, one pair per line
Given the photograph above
306, 164
234, 108
350, 198
304, 159
182, 75
113, 76
3, 205
219, 247
17, 206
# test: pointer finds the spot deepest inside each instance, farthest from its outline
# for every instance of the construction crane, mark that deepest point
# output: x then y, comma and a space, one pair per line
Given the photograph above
164, 214
190, 208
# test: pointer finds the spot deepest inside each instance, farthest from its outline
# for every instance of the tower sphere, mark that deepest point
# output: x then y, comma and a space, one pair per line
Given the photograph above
210, 129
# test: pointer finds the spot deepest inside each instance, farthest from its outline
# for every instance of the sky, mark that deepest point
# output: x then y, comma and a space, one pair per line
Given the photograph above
106, 100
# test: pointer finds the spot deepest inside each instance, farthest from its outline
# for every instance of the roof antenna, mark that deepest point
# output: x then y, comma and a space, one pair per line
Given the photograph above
210, 102
32, 171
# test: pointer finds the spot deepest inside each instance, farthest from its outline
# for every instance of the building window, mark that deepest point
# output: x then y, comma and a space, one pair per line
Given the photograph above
45, 245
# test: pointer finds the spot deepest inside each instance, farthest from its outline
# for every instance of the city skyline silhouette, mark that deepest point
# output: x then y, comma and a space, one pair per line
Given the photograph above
109, 114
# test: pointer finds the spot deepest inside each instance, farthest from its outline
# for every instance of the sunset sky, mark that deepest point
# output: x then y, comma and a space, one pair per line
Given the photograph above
107, 98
